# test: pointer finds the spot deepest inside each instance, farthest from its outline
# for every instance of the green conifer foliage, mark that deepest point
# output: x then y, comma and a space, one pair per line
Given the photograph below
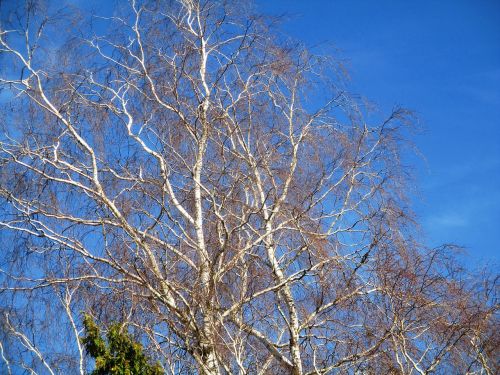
119, 354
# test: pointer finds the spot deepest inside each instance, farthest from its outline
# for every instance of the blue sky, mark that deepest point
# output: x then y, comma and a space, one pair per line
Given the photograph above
442, 60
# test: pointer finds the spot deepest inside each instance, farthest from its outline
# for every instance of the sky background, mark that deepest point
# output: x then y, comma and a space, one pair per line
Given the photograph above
440, 59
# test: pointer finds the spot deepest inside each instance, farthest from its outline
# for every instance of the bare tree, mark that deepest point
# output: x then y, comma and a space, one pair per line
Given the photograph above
170, 166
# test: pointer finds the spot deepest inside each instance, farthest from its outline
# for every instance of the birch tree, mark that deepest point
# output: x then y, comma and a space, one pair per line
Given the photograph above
182, 168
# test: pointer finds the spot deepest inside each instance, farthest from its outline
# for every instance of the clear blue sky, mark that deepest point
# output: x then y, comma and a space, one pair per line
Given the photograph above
442, 60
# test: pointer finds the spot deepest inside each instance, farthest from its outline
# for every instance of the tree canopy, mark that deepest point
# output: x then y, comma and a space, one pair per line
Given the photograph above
119, 354
182, 167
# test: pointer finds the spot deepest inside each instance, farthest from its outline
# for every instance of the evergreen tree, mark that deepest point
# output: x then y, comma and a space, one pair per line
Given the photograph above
119, 354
